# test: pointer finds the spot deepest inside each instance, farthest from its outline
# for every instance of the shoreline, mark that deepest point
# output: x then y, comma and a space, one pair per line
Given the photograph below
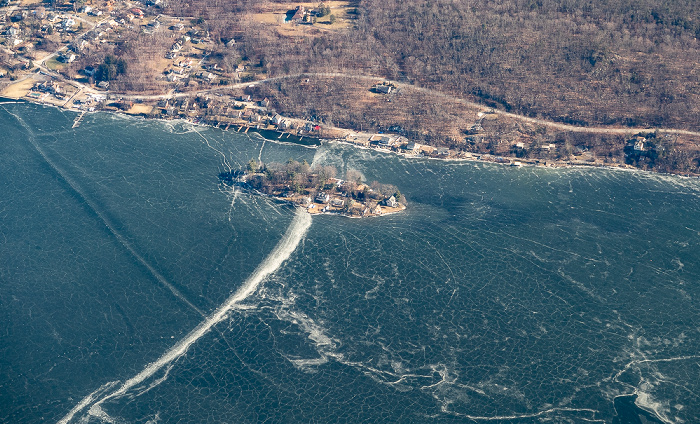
464, 156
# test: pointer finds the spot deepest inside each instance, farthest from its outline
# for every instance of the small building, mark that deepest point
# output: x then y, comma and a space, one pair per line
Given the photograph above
322, 197
382, 88
412, 146
443, 151
13, 31
298, 16
377, 210
89, 71
103, 84
639, 145
207, 76
79, 45
475, 129
67, 57
381, 140
68, 23
391, 202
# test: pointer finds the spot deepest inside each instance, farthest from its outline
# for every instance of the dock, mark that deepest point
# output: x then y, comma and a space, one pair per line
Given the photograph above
79, 119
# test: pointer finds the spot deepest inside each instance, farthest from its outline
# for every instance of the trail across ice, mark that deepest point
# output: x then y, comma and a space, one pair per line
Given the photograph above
289, 242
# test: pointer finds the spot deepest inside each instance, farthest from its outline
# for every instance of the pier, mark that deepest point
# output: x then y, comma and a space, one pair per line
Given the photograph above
79, 119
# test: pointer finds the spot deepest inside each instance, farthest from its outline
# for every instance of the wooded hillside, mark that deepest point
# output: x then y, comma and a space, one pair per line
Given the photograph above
610, 62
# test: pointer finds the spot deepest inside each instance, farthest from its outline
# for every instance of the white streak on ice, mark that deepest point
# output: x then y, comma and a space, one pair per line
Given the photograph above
88, 400
103, 216
295, 233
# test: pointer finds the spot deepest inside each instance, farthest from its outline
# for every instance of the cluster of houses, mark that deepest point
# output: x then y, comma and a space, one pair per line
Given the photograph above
399, 144
56, 92
48, 87
241, 110
340, 202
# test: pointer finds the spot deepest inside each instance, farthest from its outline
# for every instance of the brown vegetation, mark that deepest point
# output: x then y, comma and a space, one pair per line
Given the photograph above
620, 63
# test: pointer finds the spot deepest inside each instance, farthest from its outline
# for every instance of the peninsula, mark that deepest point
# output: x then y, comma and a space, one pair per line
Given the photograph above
317, 189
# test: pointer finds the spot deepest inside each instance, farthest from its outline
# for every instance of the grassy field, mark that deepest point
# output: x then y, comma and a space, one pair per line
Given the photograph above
274, 14
54, 64
18, 89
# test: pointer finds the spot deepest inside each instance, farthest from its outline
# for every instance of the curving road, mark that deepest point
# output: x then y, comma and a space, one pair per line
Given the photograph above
371, 78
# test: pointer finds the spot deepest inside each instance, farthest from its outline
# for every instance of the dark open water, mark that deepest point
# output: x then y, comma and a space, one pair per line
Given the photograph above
135, 289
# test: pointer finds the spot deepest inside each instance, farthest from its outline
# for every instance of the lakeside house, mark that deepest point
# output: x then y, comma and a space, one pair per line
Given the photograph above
443, 151
381, 140
391, 202
322, 197
639, 144
411, 146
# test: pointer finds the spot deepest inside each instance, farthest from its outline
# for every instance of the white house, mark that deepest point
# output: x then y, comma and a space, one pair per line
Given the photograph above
68, 23
322, 197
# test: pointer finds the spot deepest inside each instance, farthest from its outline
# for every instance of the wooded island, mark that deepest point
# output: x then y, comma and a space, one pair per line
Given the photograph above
317, 189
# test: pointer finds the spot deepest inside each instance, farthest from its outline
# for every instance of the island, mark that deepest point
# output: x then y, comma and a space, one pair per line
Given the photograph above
316, 188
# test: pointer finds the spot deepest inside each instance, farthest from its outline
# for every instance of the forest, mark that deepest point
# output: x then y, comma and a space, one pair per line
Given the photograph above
609, 62
612, 62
